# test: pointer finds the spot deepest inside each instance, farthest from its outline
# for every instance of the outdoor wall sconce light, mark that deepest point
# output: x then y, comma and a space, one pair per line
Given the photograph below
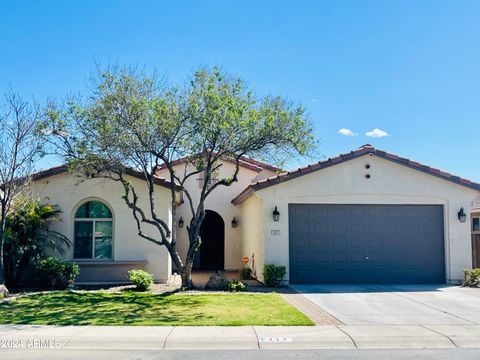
462, 216
276, 214
234, 222
180, 222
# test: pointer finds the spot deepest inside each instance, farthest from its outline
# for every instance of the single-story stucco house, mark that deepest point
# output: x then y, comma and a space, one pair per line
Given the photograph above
365, 217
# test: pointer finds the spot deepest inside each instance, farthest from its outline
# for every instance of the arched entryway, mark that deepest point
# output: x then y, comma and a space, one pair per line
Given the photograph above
211, 255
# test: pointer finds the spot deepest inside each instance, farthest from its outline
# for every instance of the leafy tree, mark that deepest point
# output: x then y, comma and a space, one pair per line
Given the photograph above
19, 147
28, 237
131, 120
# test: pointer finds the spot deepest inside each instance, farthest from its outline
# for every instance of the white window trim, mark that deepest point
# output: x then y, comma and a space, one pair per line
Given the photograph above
94, 221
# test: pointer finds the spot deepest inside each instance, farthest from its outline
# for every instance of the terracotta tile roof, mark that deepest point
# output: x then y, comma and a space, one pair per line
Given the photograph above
245, 162
363, 150
260, 164
56, 170
42, 174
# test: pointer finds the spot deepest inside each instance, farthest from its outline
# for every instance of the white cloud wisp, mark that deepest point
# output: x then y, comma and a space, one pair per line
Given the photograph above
377, 133
346, 132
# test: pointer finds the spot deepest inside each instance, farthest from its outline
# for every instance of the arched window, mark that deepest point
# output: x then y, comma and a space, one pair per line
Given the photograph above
93, 231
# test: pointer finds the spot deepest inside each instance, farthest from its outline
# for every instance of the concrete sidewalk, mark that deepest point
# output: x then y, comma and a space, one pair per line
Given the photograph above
241, 337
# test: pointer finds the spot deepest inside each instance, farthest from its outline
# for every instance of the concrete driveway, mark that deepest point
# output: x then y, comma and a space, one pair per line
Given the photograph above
396, 304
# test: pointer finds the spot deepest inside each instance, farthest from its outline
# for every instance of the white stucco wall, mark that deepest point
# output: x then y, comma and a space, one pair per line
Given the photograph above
69, 192
390, 183
253, 244
219, 201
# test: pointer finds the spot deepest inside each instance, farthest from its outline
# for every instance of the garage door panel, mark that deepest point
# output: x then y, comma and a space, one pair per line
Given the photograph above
358, 228
338, 228
319, 248
302, 228
337, 213
375, 243
366, 244
321, 228
374, 212
394, 261
339, 244
356, 213
318, 213
302, 212
392, 212
325, 257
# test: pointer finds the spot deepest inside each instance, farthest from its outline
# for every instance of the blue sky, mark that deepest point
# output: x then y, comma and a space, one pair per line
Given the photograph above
409, 68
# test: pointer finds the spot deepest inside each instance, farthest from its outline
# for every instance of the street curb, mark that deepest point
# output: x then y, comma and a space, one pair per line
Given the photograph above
239, 338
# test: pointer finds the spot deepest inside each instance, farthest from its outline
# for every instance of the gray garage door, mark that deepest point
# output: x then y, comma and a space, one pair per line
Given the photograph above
366, 244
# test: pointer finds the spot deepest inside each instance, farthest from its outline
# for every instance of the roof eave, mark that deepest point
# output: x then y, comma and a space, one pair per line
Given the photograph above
243, 195
245, 162
363, 151
57, 170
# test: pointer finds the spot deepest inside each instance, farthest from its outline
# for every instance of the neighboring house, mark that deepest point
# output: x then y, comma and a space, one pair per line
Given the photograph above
363, 217
475, 218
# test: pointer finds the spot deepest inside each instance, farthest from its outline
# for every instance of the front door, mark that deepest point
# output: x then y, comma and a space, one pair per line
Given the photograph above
212, 250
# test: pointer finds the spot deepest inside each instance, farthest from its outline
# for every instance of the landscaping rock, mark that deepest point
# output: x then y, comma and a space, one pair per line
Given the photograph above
217, 282
3, 291
71, 287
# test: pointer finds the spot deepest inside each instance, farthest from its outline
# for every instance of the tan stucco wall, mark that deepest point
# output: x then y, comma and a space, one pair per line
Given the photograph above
390, 183
69, 192
219, 201
253, 244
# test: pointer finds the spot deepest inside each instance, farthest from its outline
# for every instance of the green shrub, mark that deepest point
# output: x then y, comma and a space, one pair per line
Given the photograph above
471, 278
54, 273
273, 275
28, 238
235, 286
141, 279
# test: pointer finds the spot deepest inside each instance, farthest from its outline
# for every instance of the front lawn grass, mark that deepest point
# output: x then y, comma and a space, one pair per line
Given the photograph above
99, 308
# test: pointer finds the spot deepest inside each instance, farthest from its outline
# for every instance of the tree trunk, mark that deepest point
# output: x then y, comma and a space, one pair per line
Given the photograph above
2, 275
186, 271
184, 268
19, 270
194, 241
3, 288
2, 270
186, 275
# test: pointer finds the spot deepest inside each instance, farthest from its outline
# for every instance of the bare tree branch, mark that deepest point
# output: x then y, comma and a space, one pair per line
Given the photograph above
19, 148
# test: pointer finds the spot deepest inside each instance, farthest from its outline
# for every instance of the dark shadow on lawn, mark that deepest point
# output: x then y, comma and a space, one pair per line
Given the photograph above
98, 309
